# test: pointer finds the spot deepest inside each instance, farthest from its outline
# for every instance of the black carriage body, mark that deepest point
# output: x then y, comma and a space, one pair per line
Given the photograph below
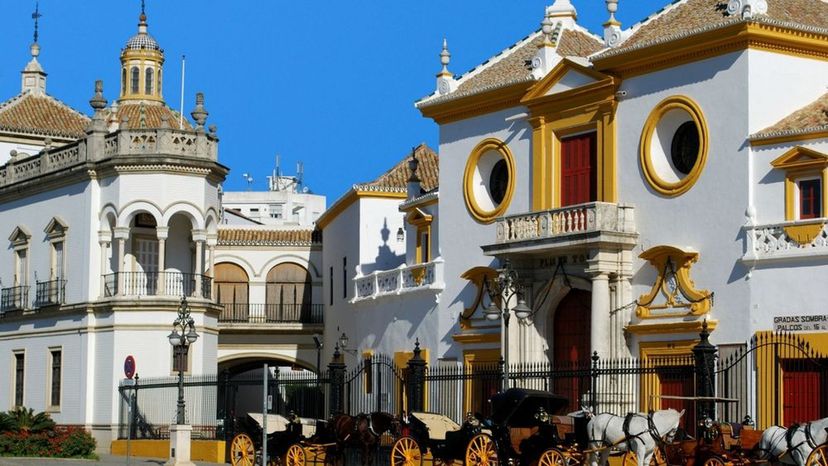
452, 447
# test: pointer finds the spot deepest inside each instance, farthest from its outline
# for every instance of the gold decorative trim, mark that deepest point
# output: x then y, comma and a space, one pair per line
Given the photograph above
662, 187
798, 163
663, 328
470, 338
474, 105
343, 203
477, 276
480, 215
804, 234
673, 281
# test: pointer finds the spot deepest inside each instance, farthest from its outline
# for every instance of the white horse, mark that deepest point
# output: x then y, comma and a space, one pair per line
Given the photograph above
783, 447
644, 434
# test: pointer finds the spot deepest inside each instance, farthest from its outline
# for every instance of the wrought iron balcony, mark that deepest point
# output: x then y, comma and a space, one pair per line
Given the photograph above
259, 313
567, 227
168, 284
15, 298
404, 279
50, 293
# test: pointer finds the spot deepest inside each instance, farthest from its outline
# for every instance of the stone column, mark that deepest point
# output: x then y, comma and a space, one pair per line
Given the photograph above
200, 237
104, 238
162, 233
121, 234
212, 241
600, 316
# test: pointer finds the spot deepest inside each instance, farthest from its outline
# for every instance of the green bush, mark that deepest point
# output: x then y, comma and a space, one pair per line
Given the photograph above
79, 443
24, 433
23, 419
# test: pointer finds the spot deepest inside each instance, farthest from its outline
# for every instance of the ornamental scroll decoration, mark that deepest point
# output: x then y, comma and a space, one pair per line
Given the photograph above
478, 276
680, 296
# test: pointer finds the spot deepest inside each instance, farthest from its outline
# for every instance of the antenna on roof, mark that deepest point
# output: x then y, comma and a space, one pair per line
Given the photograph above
300, 174
181, 108
36, 16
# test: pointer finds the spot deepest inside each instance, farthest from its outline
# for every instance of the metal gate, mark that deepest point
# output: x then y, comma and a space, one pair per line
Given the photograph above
375, 384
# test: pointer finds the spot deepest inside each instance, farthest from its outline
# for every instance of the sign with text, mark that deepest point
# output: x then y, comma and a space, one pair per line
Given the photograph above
800, 323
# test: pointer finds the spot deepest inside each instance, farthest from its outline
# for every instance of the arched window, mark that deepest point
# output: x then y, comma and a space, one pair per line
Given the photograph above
288, 293
232, 292
135, 80
158, 88
123, 81
148, 78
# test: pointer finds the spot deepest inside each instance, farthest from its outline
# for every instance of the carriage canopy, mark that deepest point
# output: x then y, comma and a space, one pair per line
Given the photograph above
517, 407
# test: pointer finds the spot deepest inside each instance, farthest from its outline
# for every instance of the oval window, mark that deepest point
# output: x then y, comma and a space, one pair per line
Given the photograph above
489, 180
685, 147
499, 181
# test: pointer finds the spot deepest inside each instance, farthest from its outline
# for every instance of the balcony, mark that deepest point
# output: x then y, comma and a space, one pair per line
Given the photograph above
405, 279
15, 298
252, 313
801, 239
50, 293
164, 284
580, 226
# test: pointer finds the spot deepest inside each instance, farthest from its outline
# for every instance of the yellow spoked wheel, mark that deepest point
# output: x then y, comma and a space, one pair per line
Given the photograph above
658, 458
406, 452
481, 451
242, 451
818, 457
629, 459
295, 455
553, 457
714, 461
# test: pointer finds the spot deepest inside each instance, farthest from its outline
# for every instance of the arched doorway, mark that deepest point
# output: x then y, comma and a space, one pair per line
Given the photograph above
571, 344
288, 293
232, 292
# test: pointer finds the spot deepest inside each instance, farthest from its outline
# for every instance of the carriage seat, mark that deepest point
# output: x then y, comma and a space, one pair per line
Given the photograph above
734, 429
438, 425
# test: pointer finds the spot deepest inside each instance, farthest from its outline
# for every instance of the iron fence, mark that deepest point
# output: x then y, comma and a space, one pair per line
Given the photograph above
50, 292
14, 298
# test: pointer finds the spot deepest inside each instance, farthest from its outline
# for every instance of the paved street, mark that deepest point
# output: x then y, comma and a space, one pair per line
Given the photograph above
106, 460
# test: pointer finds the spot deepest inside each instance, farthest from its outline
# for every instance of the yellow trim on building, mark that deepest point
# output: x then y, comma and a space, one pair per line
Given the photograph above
665, 328
477, 213
659, 354
349, 198
666, 188
470, 358
461, 108
798, 163
471, 338
212, 451
675, 261
554, 117
422, 221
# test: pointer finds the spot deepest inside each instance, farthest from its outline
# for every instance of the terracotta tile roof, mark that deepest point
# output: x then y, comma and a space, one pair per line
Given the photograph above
575, 43
146, 115
813, 117
261, 237
41, 115
685, 16
396, 179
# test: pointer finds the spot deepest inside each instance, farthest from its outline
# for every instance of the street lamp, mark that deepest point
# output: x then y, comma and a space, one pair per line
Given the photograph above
503, 289
343, 344
182, 336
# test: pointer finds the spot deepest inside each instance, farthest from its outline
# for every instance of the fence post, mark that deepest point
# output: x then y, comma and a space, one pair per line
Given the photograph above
594, 381
223, 408
415, 380
336, 369
704, 354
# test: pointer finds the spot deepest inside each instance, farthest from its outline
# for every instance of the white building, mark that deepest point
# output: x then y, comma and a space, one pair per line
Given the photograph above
630, 178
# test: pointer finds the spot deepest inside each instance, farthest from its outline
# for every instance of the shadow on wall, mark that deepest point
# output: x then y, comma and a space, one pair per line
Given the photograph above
386, 258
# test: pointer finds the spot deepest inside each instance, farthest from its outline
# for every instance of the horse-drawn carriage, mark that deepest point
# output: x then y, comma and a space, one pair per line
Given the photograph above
520, 429
282, 432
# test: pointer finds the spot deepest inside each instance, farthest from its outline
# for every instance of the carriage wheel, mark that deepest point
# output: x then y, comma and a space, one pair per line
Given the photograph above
818, 457
481, 451
552, 457
295, 455
658, 458
406, 452
242, 452
714, 461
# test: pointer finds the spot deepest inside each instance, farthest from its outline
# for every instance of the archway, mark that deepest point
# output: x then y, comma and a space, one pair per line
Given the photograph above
232, 291
288, 293
571, 342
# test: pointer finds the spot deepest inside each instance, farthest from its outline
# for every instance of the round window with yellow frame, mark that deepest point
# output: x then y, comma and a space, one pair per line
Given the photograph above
489, 180
674, 146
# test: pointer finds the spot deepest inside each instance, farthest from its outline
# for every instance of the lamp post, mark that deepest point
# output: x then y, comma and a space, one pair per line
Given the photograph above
503, 289
319, 342
343, 344
182, 336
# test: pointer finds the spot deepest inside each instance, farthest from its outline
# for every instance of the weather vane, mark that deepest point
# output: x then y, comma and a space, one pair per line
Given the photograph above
142, 7
35, 16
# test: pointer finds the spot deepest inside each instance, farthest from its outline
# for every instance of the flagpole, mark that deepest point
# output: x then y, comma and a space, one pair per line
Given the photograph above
181, 107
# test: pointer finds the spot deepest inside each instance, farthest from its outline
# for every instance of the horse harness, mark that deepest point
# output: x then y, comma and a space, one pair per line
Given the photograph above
809, 437
651, 429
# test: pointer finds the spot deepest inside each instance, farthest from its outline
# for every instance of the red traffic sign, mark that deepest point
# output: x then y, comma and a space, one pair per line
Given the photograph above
129, 367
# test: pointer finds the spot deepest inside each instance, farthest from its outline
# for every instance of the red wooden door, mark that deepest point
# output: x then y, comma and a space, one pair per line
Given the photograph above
675, 381
578, 169
803, 391
571, 342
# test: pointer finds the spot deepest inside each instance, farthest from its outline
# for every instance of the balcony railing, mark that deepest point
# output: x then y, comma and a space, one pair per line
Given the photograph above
176, 284
50, 293
249, 313
592, 217
15, 298
400, 280
786, 240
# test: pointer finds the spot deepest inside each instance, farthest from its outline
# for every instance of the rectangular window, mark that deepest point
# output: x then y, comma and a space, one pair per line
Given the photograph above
330, 284
21, 267
276, 211
57, 365
810, 198
578, 169
423, 246
57, 251
19, 377
344, 278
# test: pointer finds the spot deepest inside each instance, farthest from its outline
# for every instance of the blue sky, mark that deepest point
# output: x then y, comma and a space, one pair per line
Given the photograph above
329, 83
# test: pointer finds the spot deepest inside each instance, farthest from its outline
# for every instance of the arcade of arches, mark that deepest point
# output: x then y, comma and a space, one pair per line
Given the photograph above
287, 294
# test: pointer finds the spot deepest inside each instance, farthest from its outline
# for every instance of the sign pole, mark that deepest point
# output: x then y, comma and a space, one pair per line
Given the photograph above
129, 426
264, 415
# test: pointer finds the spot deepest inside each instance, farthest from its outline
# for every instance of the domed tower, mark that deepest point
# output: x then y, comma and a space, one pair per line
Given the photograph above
142, 61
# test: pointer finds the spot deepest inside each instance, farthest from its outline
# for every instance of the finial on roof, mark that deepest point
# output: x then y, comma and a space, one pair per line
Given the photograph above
142, 18
563, 9
34, 78
613, 34
747, 8
36, 16
612, 7
199, 113
413, 164
98, 102
445, 78
547, 27
546, 58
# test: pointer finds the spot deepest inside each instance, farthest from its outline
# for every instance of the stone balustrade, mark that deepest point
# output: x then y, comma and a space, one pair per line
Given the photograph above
786, 240
160, 142
403, 279
571, 220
